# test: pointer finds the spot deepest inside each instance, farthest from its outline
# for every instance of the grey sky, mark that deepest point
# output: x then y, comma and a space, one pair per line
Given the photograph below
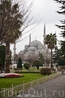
45, 9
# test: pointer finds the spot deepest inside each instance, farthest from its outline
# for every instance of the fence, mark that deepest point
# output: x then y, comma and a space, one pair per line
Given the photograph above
15, 90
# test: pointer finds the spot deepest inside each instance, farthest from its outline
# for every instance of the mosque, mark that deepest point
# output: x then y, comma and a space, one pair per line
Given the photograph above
35, 47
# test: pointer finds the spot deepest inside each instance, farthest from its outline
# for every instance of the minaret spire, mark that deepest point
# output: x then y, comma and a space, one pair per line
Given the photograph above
44, 35
29, 38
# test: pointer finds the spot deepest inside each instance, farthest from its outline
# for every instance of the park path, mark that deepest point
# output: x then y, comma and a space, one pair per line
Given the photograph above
54, 88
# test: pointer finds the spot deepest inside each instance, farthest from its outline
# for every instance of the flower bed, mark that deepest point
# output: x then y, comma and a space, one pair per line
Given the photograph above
10, 75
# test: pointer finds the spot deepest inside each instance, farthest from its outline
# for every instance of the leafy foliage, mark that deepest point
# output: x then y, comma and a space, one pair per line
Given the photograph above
12, 19
61, 62
2, 55
63, 48
19, 64
62, 26
41, 57
10, 23
37, 63
57, 55
51, 41
26, 65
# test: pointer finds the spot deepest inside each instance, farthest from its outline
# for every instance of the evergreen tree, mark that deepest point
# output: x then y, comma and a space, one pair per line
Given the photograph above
27, 65
62, 26
19, 64
57, 55
2, 54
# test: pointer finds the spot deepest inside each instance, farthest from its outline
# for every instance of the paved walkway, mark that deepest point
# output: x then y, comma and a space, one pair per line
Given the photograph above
54, 88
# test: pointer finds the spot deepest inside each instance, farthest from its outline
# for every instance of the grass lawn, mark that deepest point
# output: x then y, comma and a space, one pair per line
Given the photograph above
7, 82
31, 69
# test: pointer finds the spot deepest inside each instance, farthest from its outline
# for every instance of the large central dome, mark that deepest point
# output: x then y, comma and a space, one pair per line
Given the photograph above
35, 43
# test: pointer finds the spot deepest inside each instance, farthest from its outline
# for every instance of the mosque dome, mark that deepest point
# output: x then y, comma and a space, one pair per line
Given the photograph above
31, 49
35, 43
30, 52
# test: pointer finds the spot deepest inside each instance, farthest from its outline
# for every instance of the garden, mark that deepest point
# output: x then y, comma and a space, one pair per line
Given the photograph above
28, 77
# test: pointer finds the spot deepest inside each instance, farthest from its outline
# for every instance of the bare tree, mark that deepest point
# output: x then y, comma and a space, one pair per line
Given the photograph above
31, 58
48, 60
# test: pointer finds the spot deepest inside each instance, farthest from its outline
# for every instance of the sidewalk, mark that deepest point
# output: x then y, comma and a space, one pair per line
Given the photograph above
54, 88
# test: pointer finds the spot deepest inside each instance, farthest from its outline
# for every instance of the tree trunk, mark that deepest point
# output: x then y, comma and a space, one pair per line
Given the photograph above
7, 58
51, 46
51, 59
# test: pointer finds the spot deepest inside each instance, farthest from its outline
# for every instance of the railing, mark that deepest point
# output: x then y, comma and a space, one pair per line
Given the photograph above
15, 90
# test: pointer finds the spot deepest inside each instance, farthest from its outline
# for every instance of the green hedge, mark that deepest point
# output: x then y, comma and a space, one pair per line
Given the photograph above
45, 71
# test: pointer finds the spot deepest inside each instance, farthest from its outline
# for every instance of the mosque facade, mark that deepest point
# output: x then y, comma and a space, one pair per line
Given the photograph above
35, 47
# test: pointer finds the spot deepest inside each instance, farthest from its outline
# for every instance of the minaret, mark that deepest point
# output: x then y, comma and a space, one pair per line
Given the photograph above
44, 35
29, 38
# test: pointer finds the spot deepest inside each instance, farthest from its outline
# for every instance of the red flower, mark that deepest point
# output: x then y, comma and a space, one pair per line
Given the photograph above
10, 75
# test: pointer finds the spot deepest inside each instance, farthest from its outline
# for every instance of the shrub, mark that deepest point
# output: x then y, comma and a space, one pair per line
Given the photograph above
45, 71
19, 64
62, 67
27, 65
37, 63
53, 70
59, 69
61, 62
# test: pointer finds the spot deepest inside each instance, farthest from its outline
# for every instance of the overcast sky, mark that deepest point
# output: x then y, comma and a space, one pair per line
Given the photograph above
45, 9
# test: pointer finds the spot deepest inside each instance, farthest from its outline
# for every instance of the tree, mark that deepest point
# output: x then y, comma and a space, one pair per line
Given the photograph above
37, 63
19, 64
27, 65
57, 55
41, 58
62, 26
12, 20
31, 58
51, 40
61, 62
47, 61
2, 55
63, 48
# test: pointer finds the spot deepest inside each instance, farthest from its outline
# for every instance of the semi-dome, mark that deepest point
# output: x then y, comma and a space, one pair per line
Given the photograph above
31, 49
30, 52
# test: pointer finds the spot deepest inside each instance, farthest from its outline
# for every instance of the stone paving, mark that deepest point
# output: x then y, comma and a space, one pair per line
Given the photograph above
54, 88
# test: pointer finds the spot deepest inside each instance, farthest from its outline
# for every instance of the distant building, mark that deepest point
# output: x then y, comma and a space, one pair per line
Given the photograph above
35, 47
